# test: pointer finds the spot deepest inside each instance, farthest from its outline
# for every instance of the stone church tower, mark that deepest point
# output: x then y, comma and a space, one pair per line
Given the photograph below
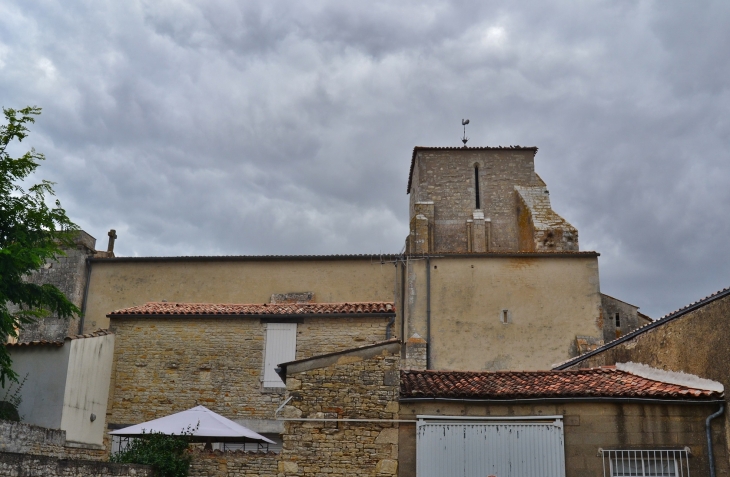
482, 199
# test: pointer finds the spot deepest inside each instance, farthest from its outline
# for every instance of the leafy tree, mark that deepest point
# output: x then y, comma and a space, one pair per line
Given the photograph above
165, 453
31, 233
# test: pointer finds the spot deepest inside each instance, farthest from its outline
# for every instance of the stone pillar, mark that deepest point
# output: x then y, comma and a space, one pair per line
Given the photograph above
422, 228
415, 352
479, 235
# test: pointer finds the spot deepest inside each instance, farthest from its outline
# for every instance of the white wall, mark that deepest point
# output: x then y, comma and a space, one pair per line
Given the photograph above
87, 389
43, 391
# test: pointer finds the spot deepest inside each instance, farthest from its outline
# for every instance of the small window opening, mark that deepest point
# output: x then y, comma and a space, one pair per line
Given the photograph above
504, 317
476, 186
618, 321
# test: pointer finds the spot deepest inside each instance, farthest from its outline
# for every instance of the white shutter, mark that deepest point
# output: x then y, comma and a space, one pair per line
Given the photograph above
281, 346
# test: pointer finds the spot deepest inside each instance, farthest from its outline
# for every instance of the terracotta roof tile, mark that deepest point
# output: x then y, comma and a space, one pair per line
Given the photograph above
585, 383
165, 308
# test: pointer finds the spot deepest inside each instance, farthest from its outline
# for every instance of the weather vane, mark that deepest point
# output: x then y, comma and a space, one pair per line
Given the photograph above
464, 122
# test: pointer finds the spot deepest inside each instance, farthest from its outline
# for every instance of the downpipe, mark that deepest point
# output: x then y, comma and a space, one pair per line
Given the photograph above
708, 428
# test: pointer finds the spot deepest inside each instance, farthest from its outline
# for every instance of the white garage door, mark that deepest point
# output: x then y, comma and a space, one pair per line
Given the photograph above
468, 448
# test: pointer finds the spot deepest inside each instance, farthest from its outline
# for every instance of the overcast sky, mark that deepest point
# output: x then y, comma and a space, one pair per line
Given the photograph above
232, 127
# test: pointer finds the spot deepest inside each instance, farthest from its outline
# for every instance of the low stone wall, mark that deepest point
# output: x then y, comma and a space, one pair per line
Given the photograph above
22, 438
234, 464
28, 465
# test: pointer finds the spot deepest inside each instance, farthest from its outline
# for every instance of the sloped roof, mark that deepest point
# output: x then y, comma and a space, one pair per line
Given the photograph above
494, 148
586, 383
59, 343
643, 329
278, 309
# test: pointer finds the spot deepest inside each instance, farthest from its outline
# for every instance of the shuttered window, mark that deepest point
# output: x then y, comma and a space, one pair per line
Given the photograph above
280, 347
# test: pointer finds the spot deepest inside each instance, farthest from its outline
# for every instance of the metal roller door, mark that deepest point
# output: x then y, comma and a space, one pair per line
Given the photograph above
477, 448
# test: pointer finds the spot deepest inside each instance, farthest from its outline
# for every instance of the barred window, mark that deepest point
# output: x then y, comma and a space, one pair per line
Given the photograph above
645, 463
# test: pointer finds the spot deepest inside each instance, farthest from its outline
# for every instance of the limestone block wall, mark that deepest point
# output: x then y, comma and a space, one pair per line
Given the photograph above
447, 178
696, 342
22, 438
628, 319
166, 365
27, 465
590, 426
355, 387
68, 274
233, 464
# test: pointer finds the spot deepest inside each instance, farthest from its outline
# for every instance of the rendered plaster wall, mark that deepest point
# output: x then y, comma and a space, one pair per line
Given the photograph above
169, 364
549, 301
354, 387
696, 343
116, 284
87, 389
68, 274
590, 426
447, 177
43, 391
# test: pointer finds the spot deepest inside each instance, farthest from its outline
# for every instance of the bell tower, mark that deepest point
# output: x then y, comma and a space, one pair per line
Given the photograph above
480, 200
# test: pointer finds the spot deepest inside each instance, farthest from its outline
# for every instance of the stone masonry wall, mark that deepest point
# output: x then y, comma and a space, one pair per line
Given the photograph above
446, 177
234, 464
68, 274
353, 388
628, 317
27, 465
697, 342
19, 437
27, 450
167, 365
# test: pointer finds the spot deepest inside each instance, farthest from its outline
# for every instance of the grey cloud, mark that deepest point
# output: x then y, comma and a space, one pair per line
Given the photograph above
271, 127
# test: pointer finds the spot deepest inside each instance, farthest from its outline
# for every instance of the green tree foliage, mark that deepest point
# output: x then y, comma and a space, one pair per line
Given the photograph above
165, 453
31, 232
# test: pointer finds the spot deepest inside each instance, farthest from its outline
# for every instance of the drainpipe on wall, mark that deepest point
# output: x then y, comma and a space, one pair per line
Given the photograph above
708, 427
86, 295
388, 327
428, 312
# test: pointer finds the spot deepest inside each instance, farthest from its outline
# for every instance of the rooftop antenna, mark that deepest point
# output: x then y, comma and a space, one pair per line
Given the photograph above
464, 122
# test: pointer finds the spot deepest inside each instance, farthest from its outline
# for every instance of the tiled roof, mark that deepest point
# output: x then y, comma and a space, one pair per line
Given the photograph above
494, 148
585, 383
658, 322
165, 308
59, 343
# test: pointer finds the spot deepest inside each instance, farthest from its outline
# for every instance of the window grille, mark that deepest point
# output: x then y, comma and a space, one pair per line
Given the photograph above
645, 463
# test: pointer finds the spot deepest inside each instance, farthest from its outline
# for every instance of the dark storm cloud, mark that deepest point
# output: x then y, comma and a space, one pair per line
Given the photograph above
273, 127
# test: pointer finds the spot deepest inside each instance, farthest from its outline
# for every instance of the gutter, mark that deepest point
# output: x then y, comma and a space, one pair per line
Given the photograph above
428, 312
260, 316
563, 400
708, 429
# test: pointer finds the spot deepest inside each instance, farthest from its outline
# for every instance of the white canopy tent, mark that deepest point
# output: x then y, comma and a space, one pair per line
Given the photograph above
203, 424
